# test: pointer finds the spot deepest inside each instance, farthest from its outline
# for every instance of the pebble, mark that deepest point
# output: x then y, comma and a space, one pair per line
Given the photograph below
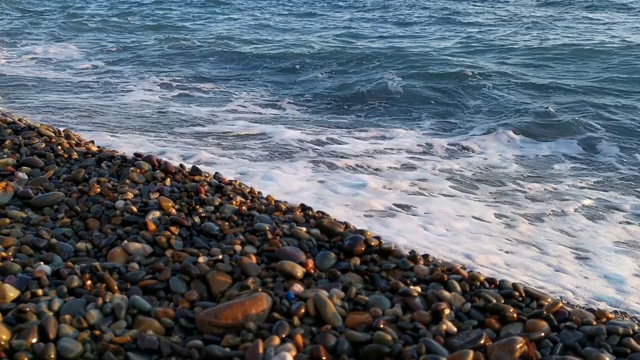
140, 304
48, 199
534, 325
325, 260
235, 313
69, 348
510, 348
290, 269
379, 301
327, 310
355, 245
291, 253
6, 192
219, 282
32, 162
470, 339
210, 229
357, 319
137, 249
434, 348
146, 324
8, 293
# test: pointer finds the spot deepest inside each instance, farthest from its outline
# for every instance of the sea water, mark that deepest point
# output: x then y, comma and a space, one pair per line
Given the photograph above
502, 134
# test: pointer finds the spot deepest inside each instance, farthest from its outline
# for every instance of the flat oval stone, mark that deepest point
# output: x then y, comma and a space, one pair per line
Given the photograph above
140, 303
291, 253
290, 269
118, 256
139, 249
235, 313
533, 325
331, 227
32, 162
325, 260
48, 199
165, 203
137, 178
69, 348
582, 314
327, 310
506, 349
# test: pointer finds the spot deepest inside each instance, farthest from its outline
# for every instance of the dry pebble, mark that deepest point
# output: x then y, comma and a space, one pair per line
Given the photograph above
107, 256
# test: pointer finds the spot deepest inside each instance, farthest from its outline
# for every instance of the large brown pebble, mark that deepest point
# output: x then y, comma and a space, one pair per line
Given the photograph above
507, 349
553, 306
92, 224
118, 256
290, 269
165, 203
144, 324
582, 314
533, 325
356, 319
235, 313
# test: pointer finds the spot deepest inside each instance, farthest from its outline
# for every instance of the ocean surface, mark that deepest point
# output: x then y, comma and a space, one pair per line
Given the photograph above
504, 135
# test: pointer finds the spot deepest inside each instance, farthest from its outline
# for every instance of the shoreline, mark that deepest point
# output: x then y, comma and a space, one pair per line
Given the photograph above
132, 253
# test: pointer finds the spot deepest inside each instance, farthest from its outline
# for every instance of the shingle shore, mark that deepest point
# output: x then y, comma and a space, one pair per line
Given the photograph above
108, 256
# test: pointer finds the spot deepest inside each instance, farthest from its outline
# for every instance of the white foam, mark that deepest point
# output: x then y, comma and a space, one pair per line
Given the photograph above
26, 61
56, 51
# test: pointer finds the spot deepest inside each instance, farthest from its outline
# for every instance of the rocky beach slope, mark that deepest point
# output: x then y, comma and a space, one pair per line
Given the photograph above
109, 256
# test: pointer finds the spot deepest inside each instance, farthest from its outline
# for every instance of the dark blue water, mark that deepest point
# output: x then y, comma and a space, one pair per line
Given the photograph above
519, 118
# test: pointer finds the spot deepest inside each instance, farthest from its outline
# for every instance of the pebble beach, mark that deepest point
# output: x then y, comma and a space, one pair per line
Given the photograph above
111, 256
